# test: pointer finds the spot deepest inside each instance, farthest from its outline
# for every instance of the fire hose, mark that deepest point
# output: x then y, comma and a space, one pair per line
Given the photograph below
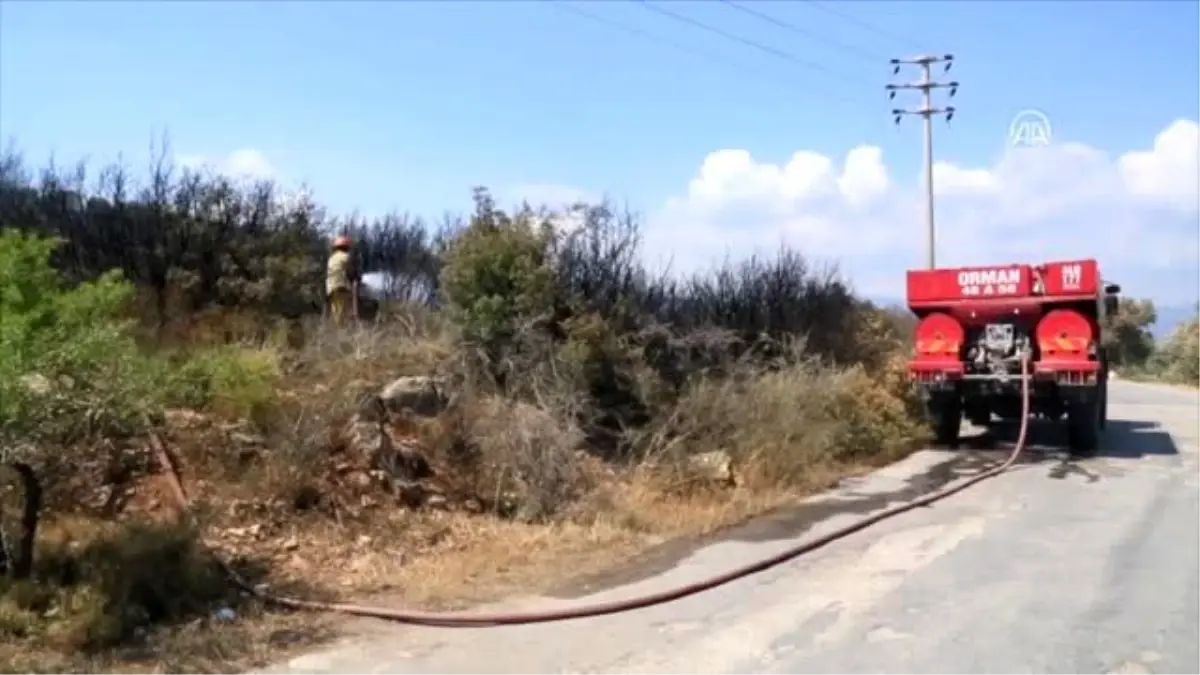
464, 620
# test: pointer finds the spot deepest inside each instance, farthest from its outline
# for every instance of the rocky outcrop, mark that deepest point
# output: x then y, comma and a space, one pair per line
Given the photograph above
383, 445
417, 395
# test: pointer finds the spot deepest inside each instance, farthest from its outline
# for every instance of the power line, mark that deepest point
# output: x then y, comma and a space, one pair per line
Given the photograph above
685, 48
709, 55
926, 85
852, 49
863, 24
737, 38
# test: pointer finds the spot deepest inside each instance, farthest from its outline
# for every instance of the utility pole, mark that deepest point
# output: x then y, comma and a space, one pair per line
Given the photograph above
925, 85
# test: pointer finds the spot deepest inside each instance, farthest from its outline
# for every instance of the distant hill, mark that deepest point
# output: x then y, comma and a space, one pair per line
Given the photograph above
1170, 316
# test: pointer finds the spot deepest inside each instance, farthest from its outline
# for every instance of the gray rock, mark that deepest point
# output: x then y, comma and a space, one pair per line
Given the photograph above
416, 394
37, 383
715, 466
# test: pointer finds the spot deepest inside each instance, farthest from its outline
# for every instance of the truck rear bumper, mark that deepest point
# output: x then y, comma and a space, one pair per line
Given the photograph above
1062, 372
936, 372
1069, 373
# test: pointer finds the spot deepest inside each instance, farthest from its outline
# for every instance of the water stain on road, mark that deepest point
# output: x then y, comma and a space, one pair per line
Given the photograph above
788, 522
975, 454
1063, 469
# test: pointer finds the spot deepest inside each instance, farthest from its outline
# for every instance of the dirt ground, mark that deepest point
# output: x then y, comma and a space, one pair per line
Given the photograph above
427, 560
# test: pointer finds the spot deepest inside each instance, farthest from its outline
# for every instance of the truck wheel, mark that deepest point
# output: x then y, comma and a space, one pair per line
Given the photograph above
945, 415
1083, 425
979, 414
1102, 407
981, 419
1104, 398
1008, 410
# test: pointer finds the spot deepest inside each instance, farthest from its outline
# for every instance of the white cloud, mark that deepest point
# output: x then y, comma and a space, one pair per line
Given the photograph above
1136, 213
1168, 173
246, 163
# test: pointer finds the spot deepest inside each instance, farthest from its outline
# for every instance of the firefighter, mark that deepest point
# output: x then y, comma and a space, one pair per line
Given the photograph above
341, 281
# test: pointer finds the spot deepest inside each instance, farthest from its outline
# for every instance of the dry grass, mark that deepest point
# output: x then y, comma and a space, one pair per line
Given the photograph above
431, 560
264, 460
520, 460
258, 638
795, 426
453, 560
134, 597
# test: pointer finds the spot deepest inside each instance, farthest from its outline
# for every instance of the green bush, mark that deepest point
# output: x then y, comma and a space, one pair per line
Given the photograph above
497, 275
1178, 359
232, 381
69, 367
1127, 337
99, 588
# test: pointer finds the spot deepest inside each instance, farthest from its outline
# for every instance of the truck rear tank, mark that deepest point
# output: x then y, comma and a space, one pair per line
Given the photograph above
976, 325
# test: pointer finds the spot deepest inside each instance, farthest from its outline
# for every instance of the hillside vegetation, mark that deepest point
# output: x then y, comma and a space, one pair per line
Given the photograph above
524, 402
1135, 353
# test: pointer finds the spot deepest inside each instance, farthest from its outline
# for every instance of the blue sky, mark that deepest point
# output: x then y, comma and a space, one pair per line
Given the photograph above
406, 104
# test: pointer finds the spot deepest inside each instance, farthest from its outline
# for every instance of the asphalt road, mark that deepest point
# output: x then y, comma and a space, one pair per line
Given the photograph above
1055, 567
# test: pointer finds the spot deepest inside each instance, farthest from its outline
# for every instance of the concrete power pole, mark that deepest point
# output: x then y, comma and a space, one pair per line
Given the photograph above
926, 85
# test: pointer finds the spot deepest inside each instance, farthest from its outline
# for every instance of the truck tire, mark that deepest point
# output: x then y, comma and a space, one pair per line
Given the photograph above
945, 416
1103, 403
979, 414
1083, 425
1008, 410
981, 419
1102, 407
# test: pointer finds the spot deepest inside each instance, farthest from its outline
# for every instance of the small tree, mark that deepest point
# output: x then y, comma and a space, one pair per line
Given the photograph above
497, 278
1178, 359
70, 373
1127, 335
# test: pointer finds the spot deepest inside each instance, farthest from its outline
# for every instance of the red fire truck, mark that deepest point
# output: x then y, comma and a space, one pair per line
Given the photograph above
977, 324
